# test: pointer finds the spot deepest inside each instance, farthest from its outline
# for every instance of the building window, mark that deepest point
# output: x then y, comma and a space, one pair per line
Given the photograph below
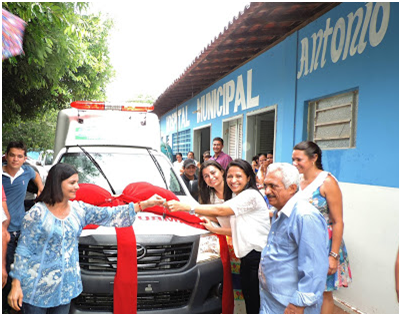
233, 138
333, 121
181, 142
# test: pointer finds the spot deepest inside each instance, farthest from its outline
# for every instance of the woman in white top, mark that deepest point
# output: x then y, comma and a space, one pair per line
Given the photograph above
211, 185
249, 221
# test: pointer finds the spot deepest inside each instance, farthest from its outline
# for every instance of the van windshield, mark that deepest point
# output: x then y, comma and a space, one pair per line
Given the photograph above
122, 169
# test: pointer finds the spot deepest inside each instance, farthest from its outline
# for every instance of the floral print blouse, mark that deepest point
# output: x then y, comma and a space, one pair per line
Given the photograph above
47, 258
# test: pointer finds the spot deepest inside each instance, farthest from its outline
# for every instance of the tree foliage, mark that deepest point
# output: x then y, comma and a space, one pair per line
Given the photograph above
37, 133
65, 59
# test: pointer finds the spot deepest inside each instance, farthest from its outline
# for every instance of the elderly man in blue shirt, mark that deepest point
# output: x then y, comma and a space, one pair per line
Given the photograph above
294, 263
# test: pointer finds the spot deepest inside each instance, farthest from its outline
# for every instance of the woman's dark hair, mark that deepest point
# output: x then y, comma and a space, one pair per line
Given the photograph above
310, 149
205, 190
52, 192
255, 158
247, 168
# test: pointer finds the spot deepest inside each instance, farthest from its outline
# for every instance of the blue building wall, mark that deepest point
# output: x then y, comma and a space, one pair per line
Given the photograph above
273, 81
375, 73
277, 79
276, 68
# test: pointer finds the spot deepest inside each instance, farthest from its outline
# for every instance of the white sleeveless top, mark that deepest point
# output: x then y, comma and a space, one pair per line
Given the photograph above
307, 192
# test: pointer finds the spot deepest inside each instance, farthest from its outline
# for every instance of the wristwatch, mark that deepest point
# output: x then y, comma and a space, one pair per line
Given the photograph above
192, 211
333, 254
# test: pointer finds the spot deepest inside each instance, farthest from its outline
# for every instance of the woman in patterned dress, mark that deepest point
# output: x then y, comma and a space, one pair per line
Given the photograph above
322, 190
46, 273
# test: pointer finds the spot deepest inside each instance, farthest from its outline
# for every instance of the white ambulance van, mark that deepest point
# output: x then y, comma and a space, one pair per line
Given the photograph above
179, 267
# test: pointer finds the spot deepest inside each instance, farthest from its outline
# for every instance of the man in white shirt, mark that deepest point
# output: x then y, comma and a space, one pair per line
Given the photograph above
178, 164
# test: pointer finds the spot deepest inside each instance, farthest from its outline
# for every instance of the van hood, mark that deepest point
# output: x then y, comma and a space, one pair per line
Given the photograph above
149, 223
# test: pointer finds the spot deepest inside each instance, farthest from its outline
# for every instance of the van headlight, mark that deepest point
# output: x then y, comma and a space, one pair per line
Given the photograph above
209, 248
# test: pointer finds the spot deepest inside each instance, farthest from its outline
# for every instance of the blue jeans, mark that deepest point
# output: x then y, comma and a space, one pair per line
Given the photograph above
31, 309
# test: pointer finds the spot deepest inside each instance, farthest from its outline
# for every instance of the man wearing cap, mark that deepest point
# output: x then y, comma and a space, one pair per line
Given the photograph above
189, 169
222, 158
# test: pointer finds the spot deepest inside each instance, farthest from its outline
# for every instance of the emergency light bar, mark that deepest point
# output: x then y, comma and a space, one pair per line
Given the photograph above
99, 105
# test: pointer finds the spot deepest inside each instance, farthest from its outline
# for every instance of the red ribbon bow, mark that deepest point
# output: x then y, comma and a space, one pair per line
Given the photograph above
125, 283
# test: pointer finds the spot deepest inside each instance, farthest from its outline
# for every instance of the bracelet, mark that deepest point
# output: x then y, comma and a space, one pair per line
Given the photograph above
192, 210
140, 209
333, 254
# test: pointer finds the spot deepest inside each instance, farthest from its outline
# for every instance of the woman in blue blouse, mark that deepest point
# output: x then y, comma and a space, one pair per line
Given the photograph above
46, 272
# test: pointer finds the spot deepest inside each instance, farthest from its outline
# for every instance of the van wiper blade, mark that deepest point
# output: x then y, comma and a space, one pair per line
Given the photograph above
158, 167
98, 167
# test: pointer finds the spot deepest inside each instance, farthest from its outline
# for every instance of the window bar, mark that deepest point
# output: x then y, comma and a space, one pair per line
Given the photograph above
314, 121
352, 139
334, 107
334, 122
332, 138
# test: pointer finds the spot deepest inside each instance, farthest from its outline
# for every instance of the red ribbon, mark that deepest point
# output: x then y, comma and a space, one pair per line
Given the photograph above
228, 294
125, 282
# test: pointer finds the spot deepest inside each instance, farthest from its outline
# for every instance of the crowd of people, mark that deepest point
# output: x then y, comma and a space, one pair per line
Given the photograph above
283, 224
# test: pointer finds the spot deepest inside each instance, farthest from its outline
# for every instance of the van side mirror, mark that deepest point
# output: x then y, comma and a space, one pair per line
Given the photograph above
193, 189
49, 159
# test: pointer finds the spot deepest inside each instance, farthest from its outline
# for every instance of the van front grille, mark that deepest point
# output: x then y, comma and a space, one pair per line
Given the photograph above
145, 302
150, 257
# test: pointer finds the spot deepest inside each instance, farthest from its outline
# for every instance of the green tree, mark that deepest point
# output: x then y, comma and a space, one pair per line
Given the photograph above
37, 133
66, 58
